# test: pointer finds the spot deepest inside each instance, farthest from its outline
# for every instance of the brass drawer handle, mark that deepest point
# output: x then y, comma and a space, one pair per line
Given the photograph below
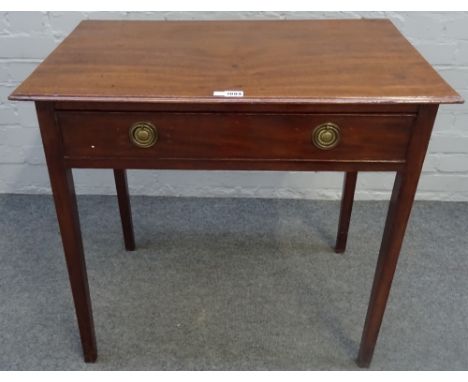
326, 136
143, 134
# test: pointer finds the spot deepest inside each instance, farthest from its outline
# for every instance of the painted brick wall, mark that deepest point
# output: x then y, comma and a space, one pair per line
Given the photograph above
27, 37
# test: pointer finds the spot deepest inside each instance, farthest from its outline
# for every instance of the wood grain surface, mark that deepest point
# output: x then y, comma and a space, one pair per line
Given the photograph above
313, 61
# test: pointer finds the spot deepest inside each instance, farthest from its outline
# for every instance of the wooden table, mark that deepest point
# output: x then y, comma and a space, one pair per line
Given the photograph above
348, 95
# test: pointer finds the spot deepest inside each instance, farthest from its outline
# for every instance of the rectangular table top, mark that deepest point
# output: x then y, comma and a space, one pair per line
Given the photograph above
306, 61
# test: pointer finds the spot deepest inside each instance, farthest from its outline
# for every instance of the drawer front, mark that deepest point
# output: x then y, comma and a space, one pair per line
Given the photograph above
232, 136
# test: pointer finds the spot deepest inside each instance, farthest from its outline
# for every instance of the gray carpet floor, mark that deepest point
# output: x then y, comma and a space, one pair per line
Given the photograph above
242, 284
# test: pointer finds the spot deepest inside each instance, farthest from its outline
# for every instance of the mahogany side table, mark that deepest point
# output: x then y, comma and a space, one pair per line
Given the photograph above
325, 95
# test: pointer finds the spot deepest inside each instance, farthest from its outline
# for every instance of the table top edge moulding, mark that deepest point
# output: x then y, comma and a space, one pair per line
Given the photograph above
318, 95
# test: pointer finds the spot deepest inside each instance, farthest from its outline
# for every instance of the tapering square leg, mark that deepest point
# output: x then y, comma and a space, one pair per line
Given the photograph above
401, 202
347, 199
61, 180
121, 185
395, 226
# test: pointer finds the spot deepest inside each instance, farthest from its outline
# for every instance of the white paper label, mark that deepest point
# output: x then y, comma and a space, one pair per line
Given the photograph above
228, 93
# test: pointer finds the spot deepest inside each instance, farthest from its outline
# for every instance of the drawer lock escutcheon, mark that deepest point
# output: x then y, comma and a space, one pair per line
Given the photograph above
326, 136
143, 134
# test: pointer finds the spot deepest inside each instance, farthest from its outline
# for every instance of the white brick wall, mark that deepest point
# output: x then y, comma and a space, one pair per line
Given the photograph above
27, 37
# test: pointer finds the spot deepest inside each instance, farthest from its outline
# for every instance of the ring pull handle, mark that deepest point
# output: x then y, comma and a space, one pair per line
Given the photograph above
143, 134
326, 136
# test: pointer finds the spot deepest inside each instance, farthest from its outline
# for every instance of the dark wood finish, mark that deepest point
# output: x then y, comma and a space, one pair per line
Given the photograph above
349, 186
401, 202
123, 198
360, 74
61, 180
235, 136
302, 61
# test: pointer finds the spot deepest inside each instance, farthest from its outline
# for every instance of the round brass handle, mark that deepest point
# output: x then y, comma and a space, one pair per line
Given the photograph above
143, 134
326, 136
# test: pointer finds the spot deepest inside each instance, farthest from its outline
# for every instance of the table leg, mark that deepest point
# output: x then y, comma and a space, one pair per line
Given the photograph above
121, 185
397, 218
61, 180
347, 199
401, 202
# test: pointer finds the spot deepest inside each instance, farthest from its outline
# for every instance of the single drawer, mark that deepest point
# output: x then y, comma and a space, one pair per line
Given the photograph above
235, 136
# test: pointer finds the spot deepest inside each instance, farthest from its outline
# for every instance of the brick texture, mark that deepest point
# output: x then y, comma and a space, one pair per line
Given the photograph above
26, 38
